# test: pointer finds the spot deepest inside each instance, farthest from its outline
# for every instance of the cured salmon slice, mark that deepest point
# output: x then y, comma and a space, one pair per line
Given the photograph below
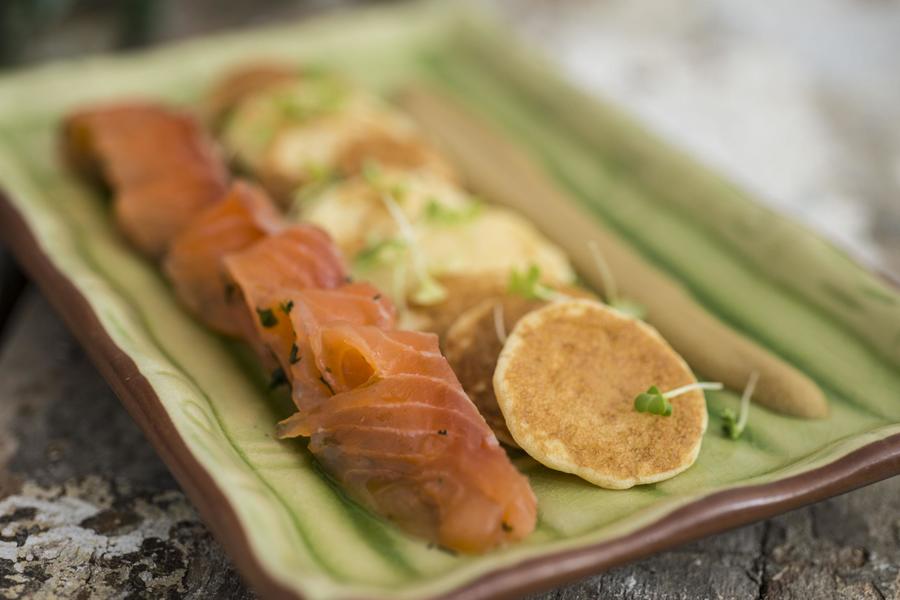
352, 304
194, 262
162, 167
266, 275
415, 450
351, 356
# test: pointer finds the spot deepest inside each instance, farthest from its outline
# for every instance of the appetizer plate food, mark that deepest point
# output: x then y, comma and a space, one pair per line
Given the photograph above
732, 286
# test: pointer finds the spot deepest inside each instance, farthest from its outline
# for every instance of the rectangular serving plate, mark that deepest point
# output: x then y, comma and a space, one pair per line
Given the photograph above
290, 532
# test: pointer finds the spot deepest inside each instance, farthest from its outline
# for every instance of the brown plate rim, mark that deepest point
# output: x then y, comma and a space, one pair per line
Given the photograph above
712, 514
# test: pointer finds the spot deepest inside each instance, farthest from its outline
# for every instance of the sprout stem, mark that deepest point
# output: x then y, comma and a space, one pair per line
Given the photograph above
499, 325
700, 385
745, 400
610, 291
436, 291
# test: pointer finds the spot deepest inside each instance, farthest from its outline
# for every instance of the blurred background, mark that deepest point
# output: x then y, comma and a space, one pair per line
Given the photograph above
798, 102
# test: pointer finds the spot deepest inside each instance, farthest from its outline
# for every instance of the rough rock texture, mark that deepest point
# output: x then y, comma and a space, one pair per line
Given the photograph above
87, 510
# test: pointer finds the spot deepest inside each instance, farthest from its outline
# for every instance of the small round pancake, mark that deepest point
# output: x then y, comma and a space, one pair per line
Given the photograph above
463, 292
566, 382
472, 346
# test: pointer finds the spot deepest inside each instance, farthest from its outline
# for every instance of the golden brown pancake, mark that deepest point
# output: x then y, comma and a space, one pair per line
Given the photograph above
472, 344
566, 382
463, 292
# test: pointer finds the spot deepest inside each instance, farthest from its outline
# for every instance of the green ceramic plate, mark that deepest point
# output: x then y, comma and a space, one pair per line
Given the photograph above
208, 415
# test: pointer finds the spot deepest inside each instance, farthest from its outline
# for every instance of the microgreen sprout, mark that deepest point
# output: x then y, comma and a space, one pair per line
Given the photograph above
429, 290
733, 425
385, 251
656, 402
320, 179
371, 172
499, 324
527, 283
610, 289
438, 213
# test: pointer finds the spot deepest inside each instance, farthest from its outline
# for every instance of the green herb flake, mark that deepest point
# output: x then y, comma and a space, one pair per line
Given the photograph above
326, 384
506, 526
318, 172
267, 317
442, 432
371, 172
277, 379
286, 306
294, 357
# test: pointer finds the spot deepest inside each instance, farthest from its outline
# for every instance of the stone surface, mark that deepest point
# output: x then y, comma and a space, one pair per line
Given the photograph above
87, 510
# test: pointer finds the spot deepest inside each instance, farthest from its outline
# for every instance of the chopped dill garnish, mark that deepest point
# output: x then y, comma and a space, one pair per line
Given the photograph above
506, 526
277, 379
294, 357
267, 317
286, 306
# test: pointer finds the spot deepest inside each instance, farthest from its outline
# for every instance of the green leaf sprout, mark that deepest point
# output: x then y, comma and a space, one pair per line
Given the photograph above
656, 402
371, 172
429, 290
527, 283
734, 425
438, 213
386, 251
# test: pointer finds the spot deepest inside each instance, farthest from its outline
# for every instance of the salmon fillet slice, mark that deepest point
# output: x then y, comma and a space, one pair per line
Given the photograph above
414, 449
163, 168
194, 263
